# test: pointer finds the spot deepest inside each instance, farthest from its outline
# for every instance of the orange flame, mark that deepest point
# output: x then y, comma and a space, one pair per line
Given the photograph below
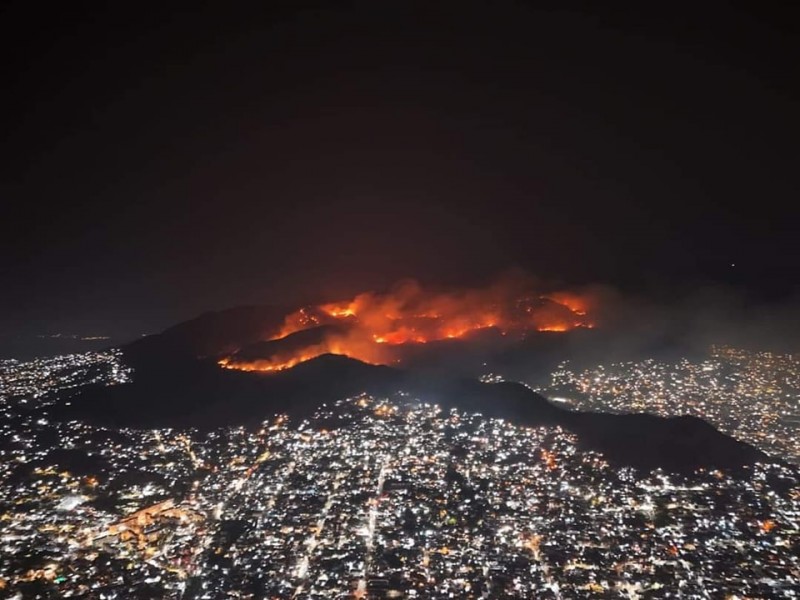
368, 326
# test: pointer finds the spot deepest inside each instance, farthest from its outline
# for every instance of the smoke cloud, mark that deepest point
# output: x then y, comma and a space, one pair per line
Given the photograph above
377, 326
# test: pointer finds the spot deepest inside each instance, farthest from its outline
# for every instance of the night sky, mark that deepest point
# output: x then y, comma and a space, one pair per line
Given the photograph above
160, 164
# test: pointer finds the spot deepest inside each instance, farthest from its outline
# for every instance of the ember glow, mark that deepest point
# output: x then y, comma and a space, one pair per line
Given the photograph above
373, 326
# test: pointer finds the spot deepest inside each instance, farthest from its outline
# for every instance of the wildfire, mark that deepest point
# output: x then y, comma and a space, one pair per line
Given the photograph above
371, 326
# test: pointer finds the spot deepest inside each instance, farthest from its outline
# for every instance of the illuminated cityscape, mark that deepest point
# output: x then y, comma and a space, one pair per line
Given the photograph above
400, 301
752, 396
369, 498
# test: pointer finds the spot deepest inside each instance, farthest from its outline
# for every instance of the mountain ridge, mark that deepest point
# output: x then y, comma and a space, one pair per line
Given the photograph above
200, 394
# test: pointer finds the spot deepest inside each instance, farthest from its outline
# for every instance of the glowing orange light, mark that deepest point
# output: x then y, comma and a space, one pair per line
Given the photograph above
549, 459
558, 327
370, 326
340, 311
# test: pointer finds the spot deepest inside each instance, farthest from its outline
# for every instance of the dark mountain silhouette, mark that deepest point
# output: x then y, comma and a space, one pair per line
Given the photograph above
243, 331
197, 393
524, 357
209, 335
286, 346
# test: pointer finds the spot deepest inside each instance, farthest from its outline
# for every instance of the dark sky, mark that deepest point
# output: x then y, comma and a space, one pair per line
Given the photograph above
158, 164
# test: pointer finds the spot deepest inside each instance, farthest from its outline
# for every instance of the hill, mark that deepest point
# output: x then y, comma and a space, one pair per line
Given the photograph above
199, 394
209, 335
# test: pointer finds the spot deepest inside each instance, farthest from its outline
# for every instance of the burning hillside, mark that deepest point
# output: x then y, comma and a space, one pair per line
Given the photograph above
374, 327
